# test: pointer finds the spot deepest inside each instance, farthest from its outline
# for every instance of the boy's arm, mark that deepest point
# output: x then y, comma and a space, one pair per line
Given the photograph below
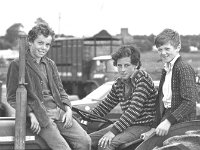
111, 100
188, 95
135, 108
12, 84
63, 94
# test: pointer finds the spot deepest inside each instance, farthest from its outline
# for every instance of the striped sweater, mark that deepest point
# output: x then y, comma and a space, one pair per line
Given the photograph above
138, 108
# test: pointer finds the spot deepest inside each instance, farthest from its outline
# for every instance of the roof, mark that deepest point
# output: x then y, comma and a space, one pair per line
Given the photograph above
101, 36
67, 38
104, 57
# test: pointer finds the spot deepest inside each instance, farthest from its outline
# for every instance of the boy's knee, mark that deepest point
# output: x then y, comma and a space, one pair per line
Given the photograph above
107, 148
85, 143
87, 140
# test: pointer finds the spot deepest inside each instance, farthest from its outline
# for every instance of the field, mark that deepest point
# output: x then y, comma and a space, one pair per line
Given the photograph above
152, 64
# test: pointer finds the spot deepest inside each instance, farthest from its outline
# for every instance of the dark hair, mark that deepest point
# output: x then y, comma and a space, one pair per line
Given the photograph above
40, 29
128, 51
168, 35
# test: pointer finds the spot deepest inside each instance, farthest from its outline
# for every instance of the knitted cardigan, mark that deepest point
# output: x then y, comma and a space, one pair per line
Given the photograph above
184, 94
138, 108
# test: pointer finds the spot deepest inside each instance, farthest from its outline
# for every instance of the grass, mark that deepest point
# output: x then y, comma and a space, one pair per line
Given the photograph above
152, 64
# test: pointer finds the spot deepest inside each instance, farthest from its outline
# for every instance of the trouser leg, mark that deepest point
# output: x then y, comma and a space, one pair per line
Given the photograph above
53, 138
97, 135
76, 136
130, 134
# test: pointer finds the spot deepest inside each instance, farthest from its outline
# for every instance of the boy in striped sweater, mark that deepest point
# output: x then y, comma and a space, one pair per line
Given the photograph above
134, 90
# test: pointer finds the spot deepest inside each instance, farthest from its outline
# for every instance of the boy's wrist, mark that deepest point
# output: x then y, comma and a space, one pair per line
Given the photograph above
67, 108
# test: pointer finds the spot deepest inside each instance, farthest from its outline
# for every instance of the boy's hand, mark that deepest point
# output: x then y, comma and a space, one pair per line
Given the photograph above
163, 128
148, 134
67, 117
35, 126
106, 139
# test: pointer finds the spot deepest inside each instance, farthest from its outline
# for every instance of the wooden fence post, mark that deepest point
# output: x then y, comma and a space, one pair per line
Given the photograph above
21, 99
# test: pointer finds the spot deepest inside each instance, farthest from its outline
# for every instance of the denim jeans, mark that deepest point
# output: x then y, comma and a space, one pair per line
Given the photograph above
59, 138
128, 135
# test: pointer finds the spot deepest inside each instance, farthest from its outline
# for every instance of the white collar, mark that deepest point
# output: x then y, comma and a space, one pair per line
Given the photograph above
174, 60
168, 66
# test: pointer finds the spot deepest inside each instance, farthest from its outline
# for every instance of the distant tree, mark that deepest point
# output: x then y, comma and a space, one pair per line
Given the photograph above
151, 38
185, 43
195, 39
40, 21
12, 34
2, 62
4, 44
145, 43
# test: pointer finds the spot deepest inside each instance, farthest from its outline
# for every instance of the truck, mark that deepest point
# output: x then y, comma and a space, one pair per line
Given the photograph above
84, 63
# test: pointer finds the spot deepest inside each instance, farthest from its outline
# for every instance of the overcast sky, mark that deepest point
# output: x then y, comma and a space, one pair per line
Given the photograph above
88, 17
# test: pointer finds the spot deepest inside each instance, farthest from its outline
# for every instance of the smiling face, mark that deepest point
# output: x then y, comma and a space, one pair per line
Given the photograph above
167, 52
125, 68
40, 46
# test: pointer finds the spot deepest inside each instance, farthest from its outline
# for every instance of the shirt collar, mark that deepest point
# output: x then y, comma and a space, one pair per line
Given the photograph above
174, 60
168, 66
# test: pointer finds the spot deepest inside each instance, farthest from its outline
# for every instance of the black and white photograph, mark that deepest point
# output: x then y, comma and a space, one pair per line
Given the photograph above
100, 75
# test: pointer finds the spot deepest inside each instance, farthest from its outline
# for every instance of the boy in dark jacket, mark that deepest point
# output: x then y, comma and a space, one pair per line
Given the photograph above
48, 105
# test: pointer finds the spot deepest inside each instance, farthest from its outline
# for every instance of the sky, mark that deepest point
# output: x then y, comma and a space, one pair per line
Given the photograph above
88, 17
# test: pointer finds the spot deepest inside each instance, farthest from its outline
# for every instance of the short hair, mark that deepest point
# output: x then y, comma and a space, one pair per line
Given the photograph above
127, 51
168, 35
40, 29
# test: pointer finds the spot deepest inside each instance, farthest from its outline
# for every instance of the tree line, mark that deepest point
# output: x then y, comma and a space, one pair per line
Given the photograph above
9, 40
144, 42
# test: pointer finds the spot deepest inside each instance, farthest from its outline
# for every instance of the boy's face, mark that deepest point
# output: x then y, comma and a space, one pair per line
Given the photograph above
167, 52
125, 68
40, 46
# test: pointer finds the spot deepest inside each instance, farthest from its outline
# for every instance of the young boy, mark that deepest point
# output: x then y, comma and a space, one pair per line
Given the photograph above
134, 90
177, 94
48, 105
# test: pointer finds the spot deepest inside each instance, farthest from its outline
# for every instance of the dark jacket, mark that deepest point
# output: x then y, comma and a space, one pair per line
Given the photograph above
34, 87
184, 94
